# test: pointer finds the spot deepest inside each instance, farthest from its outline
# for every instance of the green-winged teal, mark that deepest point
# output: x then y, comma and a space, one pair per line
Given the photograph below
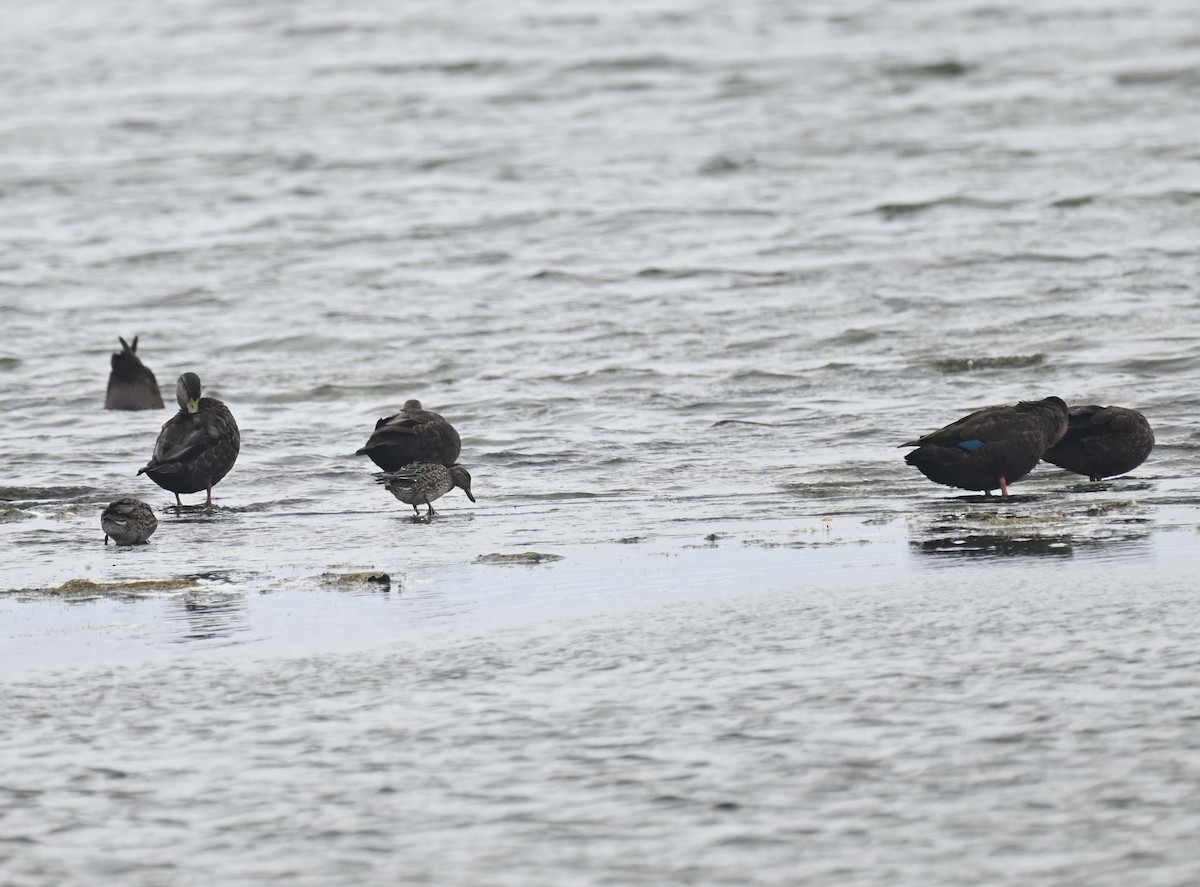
131, 385
991, 448
128, 522
197, 446
410, 436
1102, 441
422, 482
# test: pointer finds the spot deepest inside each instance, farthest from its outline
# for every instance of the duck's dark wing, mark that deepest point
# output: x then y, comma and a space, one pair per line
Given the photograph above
182, 439
419, 436
394, 429
188, 438
1092, 419
986, 425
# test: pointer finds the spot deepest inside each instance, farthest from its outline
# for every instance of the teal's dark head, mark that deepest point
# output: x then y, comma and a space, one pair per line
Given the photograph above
462, 480
187, 392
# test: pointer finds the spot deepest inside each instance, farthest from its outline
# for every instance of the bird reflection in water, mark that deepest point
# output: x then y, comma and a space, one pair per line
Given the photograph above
975, 545
1032, 526
1121, 541
211, 619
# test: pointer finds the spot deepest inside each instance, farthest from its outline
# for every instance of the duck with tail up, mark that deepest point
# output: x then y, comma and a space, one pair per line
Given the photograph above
423, 482
1102, 441
990, 448
413, 435
197, 446
131, 384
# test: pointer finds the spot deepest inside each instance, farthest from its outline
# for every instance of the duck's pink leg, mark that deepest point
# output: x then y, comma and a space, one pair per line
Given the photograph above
208, 501
1003, 487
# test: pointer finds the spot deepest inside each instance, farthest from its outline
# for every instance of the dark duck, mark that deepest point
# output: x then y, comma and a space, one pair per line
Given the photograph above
1102, 441
413, 435
131, 384
197, 446
991, 448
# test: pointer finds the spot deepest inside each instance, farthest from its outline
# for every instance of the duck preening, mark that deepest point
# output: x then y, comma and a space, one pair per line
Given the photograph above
423, 482
990, 448
131, 384
413, 435
128, 522
1102, 441
197, 446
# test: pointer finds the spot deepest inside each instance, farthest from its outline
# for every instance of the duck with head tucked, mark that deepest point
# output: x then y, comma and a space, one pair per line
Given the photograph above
131, 384
990, 448
423, 482
197, 446
128, 522
413, 435
1102, 441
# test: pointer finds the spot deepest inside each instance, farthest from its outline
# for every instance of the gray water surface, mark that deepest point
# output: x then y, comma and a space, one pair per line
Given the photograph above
683, 275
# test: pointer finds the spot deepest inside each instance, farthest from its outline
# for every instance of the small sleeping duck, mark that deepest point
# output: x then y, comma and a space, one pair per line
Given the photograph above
131, 384
1103, 441
197, 446
410, 436
128, 522
423, 482
990, 448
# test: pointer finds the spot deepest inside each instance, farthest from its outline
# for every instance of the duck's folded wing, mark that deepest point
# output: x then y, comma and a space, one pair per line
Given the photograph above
395, 417
1092, 414
403, 479
1088, 421
1118, 420
980, 425
397, 430
184, 446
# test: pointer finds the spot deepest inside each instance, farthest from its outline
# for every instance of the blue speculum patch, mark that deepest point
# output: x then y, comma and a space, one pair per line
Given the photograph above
970, 445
